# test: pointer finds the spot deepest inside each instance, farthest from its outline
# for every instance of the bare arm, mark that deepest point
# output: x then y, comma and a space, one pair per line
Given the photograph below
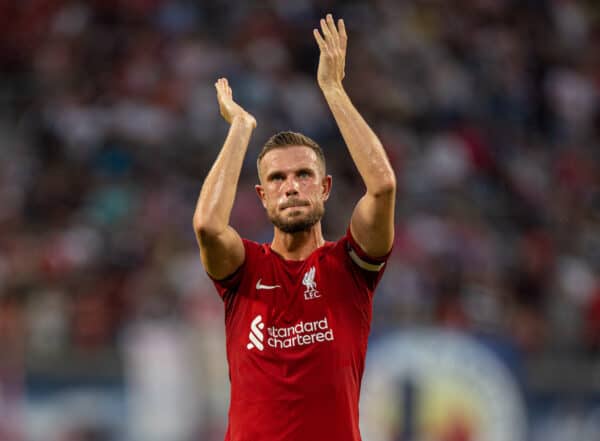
372, 223
221, 248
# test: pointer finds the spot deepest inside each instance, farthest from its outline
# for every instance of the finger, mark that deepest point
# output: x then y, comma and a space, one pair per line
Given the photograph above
320, 41
343, 35
223, 87
335, 38
226, 87
326, 34
222, 93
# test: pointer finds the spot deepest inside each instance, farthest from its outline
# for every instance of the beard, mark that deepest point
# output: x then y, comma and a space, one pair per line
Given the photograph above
299, 224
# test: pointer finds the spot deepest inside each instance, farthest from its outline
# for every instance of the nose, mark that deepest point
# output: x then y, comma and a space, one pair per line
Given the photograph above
291, 187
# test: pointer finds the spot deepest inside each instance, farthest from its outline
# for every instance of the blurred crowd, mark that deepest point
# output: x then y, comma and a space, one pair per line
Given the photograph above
488, 109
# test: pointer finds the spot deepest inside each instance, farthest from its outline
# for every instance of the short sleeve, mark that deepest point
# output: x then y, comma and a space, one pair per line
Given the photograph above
230, 284
370, 268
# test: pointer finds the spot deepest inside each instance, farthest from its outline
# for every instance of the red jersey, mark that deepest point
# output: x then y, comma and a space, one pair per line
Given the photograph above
296, 342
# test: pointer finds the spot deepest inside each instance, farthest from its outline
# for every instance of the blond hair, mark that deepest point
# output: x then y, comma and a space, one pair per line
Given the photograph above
288, 139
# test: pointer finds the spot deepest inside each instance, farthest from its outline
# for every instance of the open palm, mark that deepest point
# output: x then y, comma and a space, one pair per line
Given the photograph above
332, 45
228, 107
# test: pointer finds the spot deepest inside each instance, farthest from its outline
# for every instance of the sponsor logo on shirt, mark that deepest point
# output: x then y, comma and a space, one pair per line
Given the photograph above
301, 334
256, 335
308, 281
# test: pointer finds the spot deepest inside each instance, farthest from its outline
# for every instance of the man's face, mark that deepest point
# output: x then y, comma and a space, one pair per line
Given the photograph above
293, 188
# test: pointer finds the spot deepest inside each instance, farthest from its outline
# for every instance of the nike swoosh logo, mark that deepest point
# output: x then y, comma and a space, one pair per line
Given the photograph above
261, 286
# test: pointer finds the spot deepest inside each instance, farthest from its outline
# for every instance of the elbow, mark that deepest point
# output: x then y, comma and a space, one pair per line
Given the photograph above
386, 186
203, 228
199, 228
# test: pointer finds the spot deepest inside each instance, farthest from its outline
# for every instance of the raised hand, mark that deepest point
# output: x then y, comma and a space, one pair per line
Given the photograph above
231, 110
332, 45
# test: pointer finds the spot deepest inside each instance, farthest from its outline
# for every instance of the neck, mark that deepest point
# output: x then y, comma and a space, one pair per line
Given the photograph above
297, 246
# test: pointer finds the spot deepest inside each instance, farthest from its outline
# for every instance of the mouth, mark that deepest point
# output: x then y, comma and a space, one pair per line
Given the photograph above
293, 204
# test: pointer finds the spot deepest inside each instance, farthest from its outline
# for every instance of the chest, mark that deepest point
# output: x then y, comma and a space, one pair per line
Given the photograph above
287, 293
304, 307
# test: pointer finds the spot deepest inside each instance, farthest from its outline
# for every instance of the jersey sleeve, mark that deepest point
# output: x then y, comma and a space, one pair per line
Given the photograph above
230, 284
369, 269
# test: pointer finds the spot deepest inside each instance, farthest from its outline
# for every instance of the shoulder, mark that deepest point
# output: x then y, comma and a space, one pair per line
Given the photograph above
358, 264
250, 245
255, 250
349, 262
349, 248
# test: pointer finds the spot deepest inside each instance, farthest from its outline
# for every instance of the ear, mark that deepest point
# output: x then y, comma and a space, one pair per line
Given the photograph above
326, 186
261, 194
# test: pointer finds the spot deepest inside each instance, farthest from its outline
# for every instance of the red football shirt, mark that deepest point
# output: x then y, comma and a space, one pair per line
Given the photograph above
296, 342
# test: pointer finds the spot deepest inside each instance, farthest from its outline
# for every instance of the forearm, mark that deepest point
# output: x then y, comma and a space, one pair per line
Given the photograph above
364, 146
216, 198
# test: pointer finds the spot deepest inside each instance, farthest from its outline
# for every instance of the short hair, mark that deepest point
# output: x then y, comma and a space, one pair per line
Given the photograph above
289, 139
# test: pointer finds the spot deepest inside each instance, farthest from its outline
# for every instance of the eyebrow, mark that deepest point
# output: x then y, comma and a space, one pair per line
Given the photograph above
275, 174
278, 174
305, 170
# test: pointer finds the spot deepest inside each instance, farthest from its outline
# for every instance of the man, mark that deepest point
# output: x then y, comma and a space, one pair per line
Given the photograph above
297, 311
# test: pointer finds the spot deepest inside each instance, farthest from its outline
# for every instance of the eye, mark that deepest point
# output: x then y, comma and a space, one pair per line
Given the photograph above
304, 174
276, 177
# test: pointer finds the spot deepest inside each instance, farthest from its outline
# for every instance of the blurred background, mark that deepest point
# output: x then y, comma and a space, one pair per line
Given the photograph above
489, 111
